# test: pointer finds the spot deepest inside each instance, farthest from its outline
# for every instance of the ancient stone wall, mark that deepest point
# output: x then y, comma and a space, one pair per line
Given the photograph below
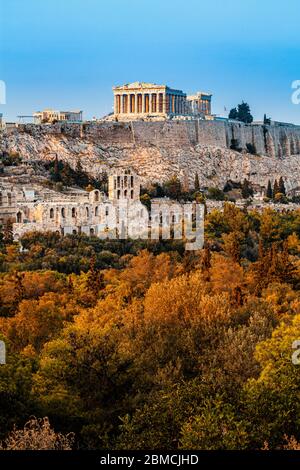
273, 141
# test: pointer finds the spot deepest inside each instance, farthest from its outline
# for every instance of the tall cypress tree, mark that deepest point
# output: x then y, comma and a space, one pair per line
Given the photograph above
281, 186
275, 188
197, 184
56, 171
269, 192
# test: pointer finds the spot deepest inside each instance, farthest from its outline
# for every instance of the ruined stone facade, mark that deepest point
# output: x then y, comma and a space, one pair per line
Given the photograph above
141, 100
91, 213
200, 104
50, 115
116, 216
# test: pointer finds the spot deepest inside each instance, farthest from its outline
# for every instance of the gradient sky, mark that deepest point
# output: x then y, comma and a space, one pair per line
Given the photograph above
67, 54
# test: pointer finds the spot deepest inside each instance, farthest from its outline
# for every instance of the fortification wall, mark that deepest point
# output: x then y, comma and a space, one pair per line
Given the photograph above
274, 141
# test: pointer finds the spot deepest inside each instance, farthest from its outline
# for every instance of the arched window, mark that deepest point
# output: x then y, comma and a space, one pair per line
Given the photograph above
125, 193
131, 194
96, 210
87, 211
73, 212
125, 181
131, 180
118, 194
19, 217
92, 231
96, 195
51, 213
63, 212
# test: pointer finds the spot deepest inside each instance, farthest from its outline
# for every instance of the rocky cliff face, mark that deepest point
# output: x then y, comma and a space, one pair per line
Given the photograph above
159, 150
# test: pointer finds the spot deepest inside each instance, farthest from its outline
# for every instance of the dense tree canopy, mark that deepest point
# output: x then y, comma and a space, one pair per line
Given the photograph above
141, 345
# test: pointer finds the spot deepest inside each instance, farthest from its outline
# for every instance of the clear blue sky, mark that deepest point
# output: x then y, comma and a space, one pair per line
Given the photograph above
67, 54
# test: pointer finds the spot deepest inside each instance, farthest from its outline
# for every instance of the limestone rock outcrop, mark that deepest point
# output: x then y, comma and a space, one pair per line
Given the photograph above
158, 150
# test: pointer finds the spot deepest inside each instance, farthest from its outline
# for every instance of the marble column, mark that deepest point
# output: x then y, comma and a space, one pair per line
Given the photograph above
164, 97
143, 103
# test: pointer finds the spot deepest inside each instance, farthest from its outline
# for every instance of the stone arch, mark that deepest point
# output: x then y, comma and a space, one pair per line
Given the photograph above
19, 217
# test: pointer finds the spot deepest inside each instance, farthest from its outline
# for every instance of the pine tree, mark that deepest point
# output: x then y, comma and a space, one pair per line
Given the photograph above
281, 186
197, 184
233, 114
244, 114
269, 192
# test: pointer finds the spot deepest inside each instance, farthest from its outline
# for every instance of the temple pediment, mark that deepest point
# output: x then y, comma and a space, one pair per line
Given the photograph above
135, 85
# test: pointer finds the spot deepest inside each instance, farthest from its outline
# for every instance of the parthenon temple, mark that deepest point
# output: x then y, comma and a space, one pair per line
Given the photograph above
147, 100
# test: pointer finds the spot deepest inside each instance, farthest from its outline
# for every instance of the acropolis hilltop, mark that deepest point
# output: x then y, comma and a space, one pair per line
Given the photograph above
140, 100
156, 131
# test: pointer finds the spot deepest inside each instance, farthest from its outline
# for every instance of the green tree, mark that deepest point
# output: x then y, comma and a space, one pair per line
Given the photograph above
247, 190
281, 186
196, 184
216, 194
269, 192
56, 170
275, 189
244, 113
272, 400
241, 113
233, 114
173, 187
81, 177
